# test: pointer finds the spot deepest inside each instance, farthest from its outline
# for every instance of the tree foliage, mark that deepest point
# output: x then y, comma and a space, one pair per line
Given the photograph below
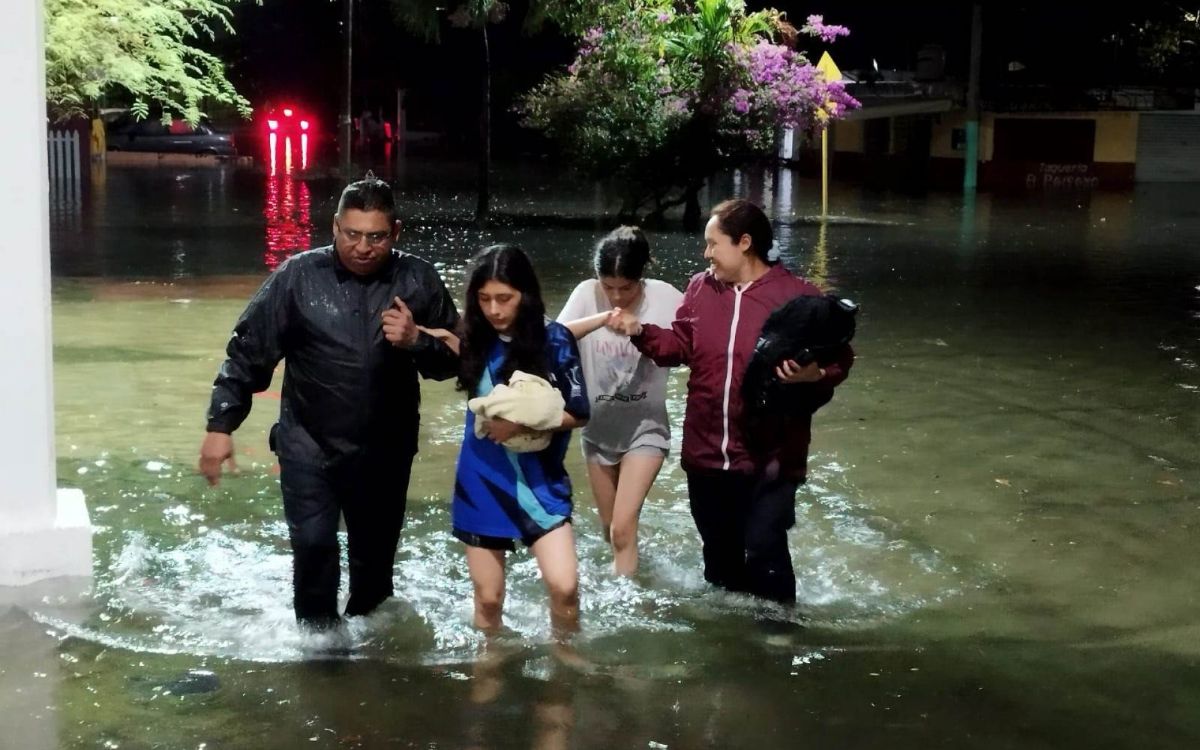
1165, 39
663, 93
424, 17
145, 48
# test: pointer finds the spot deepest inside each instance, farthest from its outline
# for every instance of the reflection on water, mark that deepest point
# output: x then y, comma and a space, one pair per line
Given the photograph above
291, 151
287, 212
287, 205
818, 265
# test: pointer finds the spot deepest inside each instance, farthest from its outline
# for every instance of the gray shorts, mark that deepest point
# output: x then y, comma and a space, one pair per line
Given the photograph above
594, 454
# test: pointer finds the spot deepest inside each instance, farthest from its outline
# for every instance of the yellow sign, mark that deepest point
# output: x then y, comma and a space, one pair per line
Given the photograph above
827, 66
831, 72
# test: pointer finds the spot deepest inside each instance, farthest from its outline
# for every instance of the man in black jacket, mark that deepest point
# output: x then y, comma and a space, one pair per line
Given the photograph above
345, 318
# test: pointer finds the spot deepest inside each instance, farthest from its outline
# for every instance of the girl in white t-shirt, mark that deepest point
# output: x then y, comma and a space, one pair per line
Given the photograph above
628, 436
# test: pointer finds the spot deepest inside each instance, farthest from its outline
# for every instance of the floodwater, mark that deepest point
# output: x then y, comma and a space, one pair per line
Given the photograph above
996, 549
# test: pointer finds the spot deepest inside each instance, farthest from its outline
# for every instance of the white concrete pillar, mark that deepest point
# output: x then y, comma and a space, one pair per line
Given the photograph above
44, 532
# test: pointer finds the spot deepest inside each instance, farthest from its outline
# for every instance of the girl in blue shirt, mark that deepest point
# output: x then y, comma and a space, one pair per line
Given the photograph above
501, 496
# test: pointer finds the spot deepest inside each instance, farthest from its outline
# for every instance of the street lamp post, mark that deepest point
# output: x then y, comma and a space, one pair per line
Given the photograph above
970, 173
347, 117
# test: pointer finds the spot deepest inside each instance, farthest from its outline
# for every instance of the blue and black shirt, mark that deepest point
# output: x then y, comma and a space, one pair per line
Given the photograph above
503, 494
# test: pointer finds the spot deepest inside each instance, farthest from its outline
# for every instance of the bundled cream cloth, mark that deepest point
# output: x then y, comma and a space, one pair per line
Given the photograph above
527, 400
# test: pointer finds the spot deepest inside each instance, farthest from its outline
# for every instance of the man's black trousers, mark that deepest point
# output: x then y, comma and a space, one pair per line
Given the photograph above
371, 496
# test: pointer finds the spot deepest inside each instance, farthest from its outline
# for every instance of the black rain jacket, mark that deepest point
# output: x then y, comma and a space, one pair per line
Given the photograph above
348, 393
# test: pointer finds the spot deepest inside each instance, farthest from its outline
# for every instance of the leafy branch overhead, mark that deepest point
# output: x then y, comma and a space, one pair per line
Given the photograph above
148, 49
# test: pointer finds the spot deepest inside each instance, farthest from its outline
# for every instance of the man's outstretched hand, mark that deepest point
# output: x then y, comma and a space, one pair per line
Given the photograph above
216, 450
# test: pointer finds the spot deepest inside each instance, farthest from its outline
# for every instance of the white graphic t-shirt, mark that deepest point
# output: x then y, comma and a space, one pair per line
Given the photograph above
628, 391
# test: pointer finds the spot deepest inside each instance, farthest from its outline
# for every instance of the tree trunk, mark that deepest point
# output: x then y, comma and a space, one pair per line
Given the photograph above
688, 197
485, 135
691, 208
631, 203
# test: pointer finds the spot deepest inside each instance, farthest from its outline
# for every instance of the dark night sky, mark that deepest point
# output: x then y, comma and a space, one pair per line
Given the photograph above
293, 48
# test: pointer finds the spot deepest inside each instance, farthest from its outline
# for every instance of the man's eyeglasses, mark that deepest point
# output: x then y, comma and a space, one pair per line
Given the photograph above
373, 238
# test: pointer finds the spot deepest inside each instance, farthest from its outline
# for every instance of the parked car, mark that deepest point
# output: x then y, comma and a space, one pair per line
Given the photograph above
127, 134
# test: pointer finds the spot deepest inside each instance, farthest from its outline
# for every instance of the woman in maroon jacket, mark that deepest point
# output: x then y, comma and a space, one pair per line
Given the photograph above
743, 504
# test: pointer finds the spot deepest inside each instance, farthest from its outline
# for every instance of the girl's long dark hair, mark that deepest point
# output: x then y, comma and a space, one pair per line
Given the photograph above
510, 265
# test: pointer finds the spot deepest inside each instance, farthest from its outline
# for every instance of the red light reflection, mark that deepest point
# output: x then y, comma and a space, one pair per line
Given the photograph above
287, 211
288, 203
289, 156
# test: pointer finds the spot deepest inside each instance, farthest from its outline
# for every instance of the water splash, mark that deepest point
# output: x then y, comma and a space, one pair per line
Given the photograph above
226, 591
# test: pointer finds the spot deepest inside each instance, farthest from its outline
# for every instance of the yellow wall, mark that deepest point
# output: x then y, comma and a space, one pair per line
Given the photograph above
848, 136
1117, 137
1116, 133
943, 131
987, 136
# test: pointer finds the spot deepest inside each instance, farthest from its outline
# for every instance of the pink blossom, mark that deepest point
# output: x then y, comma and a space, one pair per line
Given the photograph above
676, 105
779, 85
741, 101
828, 33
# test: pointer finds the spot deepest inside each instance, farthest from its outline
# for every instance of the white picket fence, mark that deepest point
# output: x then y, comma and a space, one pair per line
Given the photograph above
64, 156
66, 171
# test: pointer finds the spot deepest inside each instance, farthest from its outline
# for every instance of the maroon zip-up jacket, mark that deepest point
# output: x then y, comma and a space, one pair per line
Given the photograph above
714, 332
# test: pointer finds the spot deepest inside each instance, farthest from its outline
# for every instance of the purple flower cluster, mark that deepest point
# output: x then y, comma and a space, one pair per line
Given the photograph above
785, 87
677, 105
740, 101
828, 33
591, 41
840, 101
